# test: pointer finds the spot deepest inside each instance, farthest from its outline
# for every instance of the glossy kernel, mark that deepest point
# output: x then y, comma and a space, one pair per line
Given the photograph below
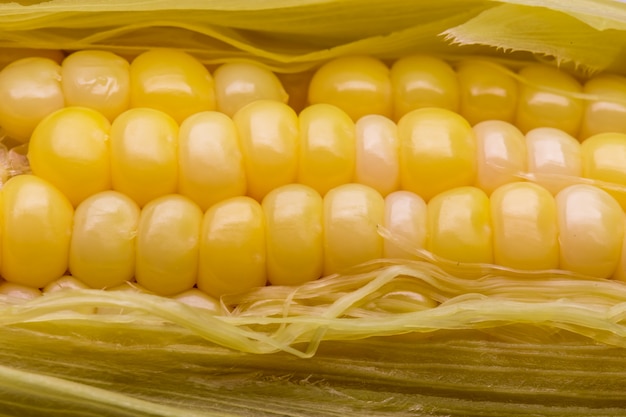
546, 100
606, 111
209, 158
604, 159
36, 230
144, 162
168, 242
99, 80
501, 151
359, 85
70, 148
171, 81
487, 92
423, 81
268, 139
554, 158
591, 230
437, 152
102, 249
459, 226
30, 89
232, 247
525, 232
293, 220
327, 148
352, 213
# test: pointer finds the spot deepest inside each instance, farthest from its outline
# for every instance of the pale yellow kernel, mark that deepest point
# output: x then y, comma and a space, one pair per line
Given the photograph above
459, 226
377, 160
525, 232
501, 151
487, 92
99, 80
241, 83
210, 161
359, 85
70, 149
591, 230
30, 89
327, 148
437, 152
69, 283
144, 163
604, 159
198, 299
171, 81
293, 222
352, 214
102, 248
606, 111
546, 99
423, 81
18, 292
232, 248
405, 218
36, 227
65, 283
168, 241
554, 158
268, 139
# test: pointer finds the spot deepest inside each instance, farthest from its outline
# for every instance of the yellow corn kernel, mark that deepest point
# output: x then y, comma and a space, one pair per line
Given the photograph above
70, 149
405, 217
293, 224
487, 92
327, 148
423, 81
144, 154
99, 80
358, 85
30, 89
69, 283
209, 159
604, 158
238, 84
102, 248
525, 232
268, 139
168, 241
19, 292
171, 81
232, 247
36, 229
376, 159
437, 152
352, 213
459, 226
591, 230
554, 158
501, 151
607, 111
198, 299
545, 100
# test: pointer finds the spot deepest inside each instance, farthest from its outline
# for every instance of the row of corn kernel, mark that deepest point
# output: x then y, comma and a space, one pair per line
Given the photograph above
144, 154
536, 96
167, 80
178, 84
295, 235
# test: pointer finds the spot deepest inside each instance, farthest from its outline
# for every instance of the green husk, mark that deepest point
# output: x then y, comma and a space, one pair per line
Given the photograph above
387, 339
